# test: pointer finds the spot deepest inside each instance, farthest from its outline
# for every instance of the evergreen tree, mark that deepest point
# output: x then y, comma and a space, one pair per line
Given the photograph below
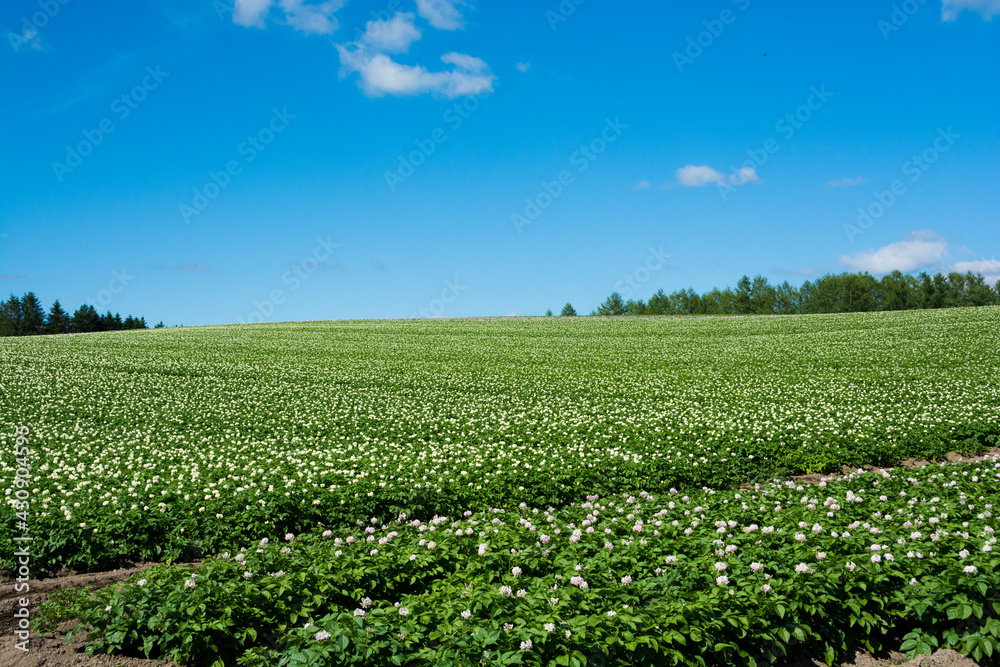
659, 303
548, 313
613, 305
57, 321
633, 307
763, 298
10, 317
742, 298
85, 320
978, 292
32, 315
894, 292
568, 310
786, 299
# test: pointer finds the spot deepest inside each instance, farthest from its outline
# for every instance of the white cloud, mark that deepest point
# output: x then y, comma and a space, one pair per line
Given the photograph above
380, 75
696, 176
523, 67
467, 63
920, 249
315, 18
392, 36
250, 12
641, 185
745, 175
845, 182
442, 14
950, 9
990, 268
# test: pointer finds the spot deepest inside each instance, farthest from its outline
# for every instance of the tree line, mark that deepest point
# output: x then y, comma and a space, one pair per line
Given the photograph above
833, 293
27, 317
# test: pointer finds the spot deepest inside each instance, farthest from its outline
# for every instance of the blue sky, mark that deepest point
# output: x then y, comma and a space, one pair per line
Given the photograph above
205, 162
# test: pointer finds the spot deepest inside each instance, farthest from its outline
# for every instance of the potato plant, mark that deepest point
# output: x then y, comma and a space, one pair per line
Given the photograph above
176, 443
696, 577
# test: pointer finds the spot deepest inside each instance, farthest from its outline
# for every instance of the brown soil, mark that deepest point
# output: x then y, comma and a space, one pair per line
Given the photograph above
940, 658
51, 649
815, 477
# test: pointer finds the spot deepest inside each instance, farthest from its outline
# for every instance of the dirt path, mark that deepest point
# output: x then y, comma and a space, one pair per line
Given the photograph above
51, 649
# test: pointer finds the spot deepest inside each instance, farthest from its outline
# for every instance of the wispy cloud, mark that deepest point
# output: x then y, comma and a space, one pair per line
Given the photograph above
98, 82
920, 249
317, 19
442, 14
641, 185
696, 176
950, 9
845, 182
13, 276
523, 67
380, 75
192, 266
